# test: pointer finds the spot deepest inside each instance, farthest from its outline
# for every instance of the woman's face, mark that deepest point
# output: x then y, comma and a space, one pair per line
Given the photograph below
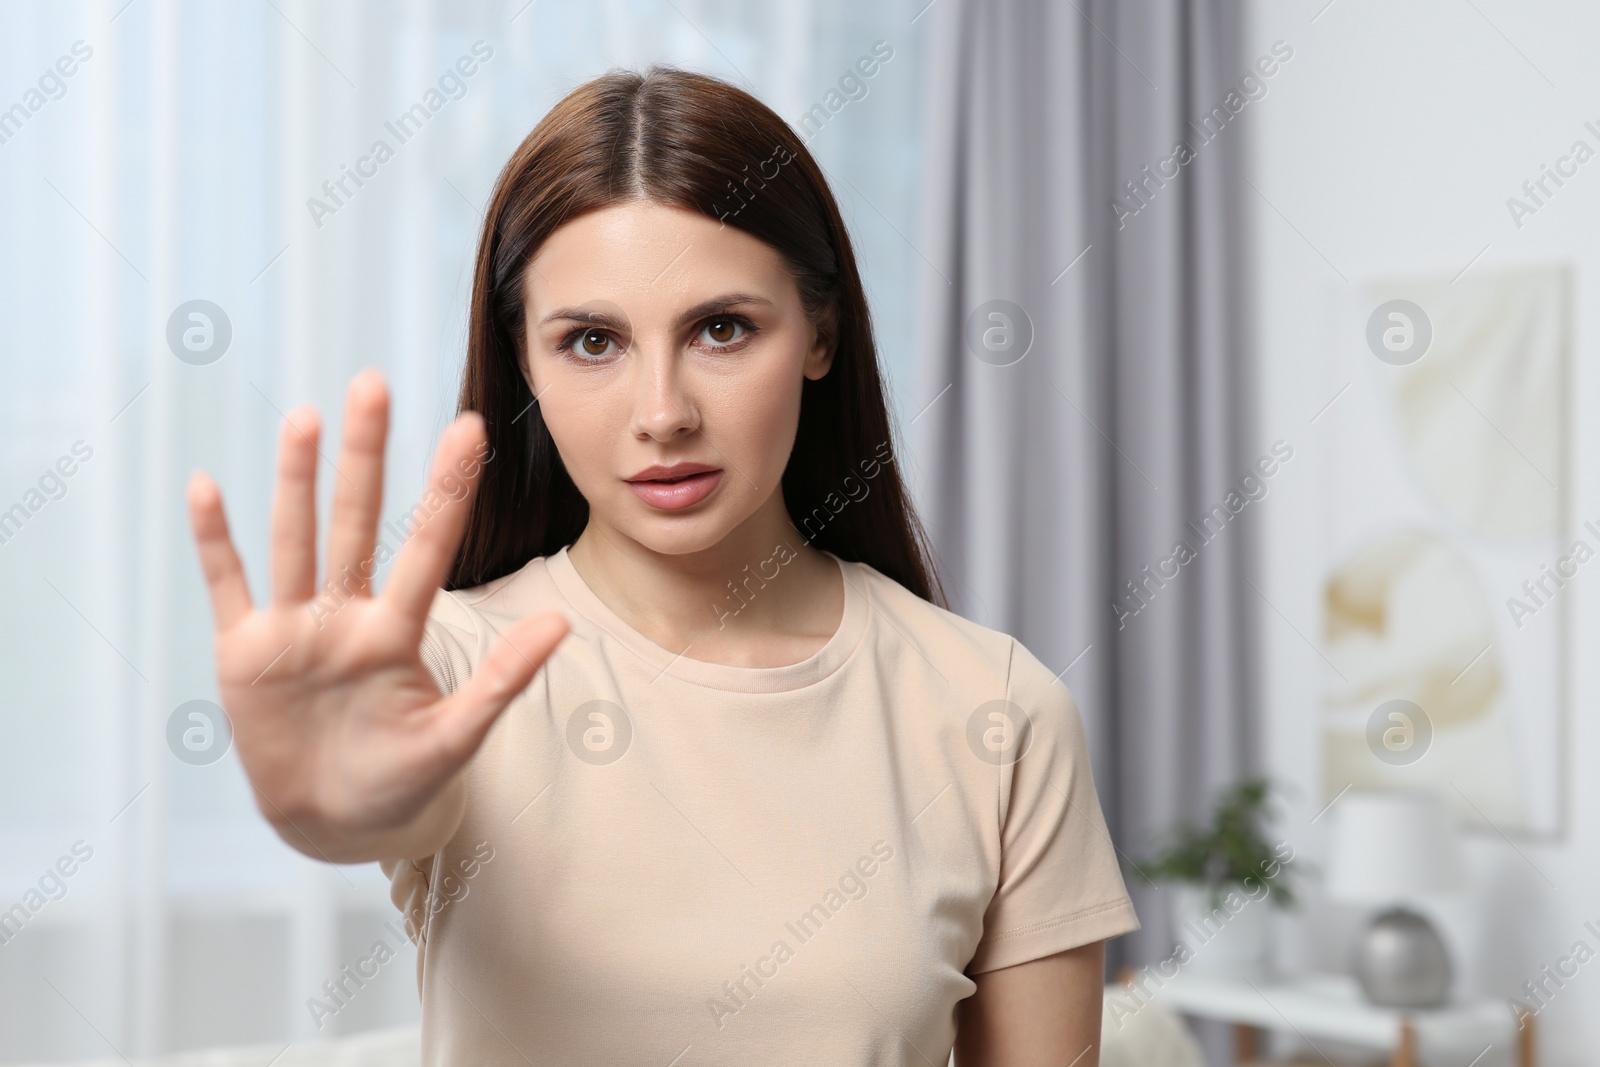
659, 338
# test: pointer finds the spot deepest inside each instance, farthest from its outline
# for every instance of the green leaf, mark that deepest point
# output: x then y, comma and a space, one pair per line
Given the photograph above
1233, 847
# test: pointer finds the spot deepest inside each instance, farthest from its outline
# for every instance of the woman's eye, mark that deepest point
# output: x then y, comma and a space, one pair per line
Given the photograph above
593, 344
720, 332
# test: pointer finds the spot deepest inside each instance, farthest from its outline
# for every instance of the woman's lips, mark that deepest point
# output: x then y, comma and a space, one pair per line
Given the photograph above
670, 496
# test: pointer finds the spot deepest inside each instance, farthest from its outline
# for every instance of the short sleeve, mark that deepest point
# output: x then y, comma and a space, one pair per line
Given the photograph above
408, 891
1060, 885
447, 636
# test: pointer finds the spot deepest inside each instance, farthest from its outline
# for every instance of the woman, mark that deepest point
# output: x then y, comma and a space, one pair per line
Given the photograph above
687, 763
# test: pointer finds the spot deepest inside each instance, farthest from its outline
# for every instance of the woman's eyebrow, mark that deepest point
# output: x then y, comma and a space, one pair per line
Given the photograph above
586, 315
720, 304
598, 317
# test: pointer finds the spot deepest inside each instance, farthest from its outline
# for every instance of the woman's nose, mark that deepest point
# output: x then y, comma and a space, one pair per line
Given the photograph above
662, 405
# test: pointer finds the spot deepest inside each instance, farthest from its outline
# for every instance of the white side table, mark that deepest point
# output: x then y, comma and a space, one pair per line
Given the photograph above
1332, 1007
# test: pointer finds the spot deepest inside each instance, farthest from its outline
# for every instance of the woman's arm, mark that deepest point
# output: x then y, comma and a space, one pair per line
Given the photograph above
1043, 1013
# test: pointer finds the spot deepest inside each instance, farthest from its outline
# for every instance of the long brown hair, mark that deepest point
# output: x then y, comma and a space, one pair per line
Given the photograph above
690, 141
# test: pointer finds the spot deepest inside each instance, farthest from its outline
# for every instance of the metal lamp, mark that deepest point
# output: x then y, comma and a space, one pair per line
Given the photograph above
1390, 849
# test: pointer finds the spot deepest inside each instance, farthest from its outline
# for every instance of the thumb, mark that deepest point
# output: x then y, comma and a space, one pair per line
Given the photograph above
467, 714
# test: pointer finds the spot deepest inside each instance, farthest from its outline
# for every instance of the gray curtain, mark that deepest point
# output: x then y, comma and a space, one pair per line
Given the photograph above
1063, 440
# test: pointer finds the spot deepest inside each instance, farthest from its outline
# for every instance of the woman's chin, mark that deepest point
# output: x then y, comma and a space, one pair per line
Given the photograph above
676, 533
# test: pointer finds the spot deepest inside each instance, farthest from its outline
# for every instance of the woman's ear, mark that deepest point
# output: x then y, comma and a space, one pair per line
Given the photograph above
524, 366
820, 357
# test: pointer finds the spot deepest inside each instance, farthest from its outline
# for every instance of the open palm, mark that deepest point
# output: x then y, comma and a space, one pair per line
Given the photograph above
351, 748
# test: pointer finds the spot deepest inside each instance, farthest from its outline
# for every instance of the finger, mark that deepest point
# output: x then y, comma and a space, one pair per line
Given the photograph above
294, 509
438, 520
467, 714
358, 496
219, 561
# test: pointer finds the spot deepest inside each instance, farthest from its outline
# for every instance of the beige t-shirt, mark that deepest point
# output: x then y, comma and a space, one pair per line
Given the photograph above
670, 861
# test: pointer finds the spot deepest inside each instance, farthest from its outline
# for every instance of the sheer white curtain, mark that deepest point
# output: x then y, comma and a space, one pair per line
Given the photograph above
154, 153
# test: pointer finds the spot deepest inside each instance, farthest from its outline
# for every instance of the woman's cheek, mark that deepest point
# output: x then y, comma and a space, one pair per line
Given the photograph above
759, 416
584, 429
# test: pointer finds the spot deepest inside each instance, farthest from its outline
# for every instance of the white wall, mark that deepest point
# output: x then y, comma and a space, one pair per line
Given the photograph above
1387, 146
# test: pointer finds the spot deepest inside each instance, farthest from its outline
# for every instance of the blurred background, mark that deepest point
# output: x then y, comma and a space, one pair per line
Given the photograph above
1239, 357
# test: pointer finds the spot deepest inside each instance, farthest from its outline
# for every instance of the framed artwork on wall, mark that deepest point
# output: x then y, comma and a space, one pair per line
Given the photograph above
1451, 545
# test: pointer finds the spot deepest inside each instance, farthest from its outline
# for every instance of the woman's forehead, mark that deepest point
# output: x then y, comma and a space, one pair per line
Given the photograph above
651, 258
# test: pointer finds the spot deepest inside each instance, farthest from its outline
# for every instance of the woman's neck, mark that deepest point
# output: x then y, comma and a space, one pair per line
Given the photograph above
761, 597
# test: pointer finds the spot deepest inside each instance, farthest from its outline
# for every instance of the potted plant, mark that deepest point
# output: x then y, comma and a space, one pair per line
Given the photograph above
1220, 877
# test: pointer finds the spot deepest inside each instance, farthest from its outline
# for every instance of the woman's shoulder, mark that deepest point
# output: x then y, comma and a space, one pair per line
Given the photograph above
941, 634
513, 593
968, 664
462, 619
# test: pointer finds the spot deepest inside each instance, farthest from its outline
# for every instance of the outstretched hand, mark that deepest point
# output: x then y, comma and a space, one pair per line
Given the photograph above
353, 752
